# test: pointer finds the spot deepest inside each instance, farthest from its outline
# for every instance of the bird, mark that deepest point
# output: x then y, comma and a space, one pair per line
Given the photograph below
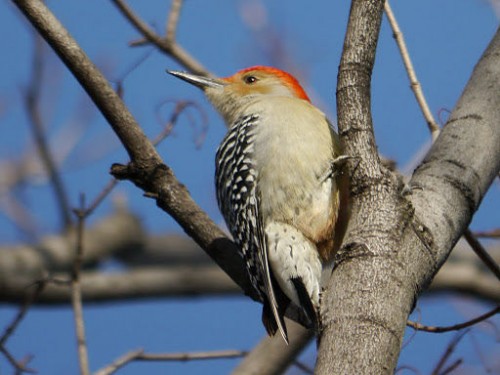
277, 184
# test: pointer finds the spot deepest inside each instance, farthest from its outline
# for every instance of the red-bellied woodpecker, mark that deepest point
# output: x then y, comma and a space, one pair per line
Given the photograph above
276, 185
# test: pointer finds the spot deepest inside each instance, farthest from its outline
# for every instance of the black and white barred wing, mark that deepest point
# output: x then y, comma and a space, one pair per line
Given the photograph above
239, 201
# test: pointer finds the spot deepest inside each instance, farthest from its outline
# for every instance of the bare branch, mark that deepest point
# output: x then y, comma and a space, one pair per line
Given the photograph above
272, 355
173, 265
482, 253
116, 233
179, 108
120, 362
415, 84
76, 292
18, 365
147, 169
397, 237
495, 233
134, 284
452, 367
32, 99
456, 327
173, 19
101, 196
163, 44
448, 352
11, 328
140, 355
356, 126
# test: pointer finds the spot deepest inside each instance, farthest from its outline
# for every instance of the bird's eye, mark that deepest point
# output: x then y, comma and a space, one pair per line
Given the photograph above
250, 79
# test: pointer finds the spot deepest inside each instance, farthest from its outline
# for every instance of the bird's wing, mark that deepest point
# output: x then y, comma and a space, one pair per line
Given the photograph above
262, 251
239, 201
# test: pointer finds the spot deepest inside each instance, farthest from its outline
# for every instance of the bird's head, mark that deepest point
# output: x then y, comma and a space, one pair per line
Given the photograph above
231, 95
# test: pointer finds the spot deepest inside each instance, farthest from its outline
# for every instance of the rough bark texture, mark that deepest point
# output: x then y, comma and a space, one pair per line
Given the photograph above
399, 236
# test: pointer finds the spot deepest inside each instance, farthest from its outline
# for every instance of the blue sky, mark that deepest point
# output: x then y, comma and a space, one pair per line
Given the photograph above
445, 39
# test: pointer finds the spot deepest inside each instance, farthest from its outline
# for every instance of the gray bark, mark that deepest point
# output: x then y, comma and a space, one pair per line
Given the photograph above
399, 236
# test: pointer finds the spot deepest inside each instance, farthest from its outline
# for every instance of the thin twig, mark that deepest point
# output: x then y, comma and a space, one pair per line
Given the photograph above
173, 20
305, 369
171, 49
139, 355
76, 292
120, 362
415, 85
414, 333
38, 129
449, 350
19, 366
179, 108
494, 233
102, 195
456, 327
147, 170
30, 298
130, 69
452, 367
482, 253
11, 328
219, 354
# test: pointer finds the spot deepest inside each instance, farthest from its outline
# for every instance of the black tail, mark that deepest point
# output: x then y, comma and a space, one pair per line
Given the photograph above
305, 302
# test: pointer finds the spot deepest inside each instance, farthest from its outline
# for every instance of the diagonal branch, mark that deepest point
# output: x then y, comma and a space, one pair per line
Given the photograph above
32, 99
146, 169
482, 253
272, 355
412, 76
166, 45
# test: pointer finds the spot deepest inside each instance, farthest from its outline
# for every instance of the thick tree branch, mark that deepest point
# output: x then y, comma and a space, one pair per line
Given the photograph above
395, 241
140, 283
116, 233
358, 336
173, 266
146, 169
449, 185
353, 91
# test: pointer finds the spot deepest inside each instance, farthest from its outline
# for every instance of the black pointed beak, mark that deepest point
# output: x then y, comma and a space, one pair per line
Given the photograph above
198, 81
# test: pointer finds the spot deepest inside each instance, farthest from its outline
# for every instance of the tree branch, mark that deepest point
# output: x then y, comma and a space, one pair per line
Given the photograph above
272, 355
166, 45
146, 169
455, 327
140, 355
76, 292
140, 283
116, 233
32, 102
412, 76
398, 237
